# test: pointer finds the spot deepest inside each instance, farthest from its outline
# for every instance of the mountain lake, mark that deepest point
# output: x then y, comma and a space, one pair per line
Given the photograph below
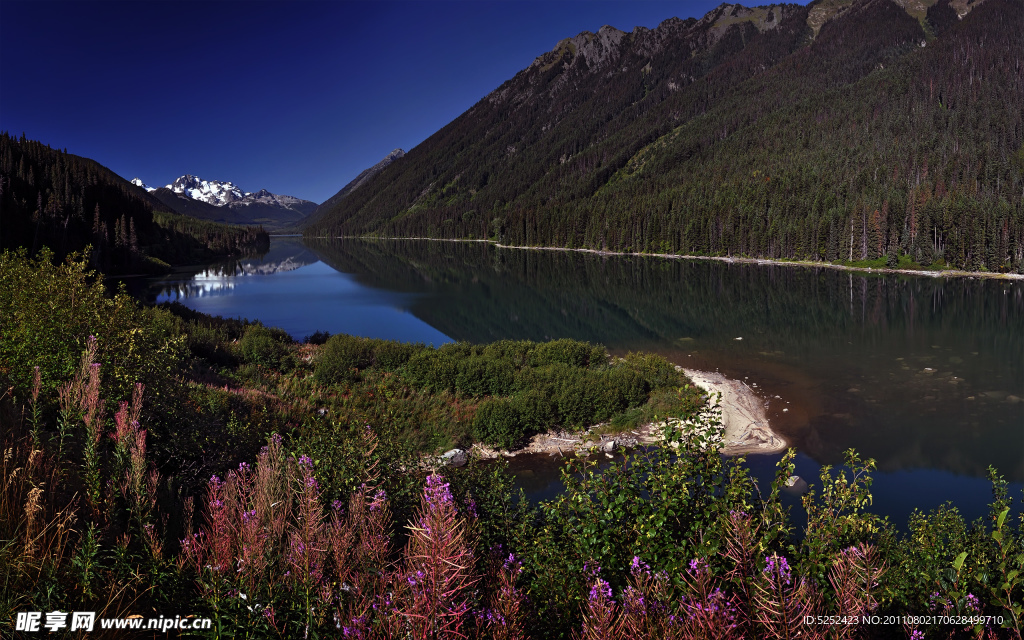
923, 374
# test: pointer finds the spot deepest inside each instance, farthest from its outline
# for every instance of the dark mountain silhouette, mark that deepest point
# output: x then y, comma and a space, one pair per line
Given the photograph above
838, 131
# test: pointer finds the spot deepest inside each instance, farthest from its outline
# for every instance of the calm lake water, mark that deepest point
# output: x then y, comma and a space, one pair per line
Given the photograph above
925, 375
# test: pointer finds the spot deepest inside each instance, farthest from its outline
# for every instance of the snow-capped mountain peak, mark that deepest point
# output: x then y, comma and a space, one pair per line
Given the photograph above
139, 183
212, 192
237, 206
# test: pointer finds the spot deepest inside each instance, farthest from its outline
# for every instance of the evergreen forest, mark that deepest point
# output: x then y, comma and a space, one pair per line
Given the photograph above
50, 198
875, 136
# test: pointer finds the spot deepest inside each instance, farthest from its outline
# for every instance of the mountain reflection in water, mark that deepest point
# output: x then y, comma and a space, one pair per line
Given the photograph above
925, 375
915, 372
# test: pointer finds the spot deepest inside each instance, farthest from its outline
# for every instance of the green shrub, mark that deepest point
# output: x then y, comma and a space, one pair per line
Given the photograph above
209, 343
570, 352
259, 347
613, 392
341, 357
433, 371
535, 409
499, 377
471, 379
47, 312
657, 371
317, 337
498, 423
571, 395
390, 355
516, 352
632, 388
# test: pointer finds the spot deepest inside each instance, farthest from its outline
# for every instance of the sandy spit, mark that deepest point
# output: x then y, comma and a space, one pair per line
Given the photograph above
743, 416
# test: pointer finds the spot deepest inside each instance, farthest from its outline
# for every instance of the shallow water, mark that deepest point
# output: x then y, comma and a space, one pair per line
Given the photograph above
925, 375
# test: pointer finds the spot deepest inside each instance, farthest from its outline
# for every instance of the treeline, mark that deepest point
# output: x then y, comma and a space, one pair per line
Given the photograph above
873, 140
50, 198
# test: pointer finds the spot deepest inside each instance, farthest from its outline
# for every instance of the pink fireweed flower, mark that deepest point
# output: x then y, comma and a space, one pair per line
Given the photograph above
600, 589
512, 564
973, 603
379, 498
698, 566
778, 565
639, 566
437, 491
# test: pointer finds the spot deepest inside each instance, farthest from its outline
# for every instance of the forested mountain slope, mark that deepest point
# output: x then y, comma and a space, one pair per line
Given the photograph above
748, 132
50, 198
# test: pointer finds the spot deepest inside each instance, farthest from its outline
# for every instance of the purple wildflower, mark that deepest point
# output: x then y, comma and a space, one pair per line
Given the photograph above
600, 588
778, 565
437, 490
639, 566
973, 603
511, 562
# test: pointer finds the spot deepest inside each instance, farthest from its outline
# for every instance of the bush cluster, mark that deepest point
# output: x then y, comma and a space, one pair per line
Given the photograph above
343, 356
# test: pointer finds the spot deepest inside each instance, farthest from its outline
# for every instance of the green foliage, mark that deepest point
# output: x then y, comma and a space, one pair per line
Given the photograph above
568, 352
48, 311
563, 382
536, 410
259, 346
390, 355
838, 517
657, 372
664, 508
499, 424
341, 357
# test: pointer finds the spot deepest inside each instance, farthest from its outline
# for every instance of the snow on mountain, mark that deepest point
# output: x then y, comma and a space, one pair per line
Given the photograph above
139, 183
221, 194
193, 196
212, 192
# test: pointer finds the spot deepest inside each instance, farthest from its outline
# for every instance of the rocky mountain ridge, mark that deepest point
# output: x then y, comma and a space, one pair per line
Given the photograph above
357, 182
779, 131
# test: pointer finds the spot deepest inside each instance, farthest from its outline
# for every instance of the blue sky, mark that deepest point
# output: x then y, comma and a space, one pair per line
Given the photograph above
296, 97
